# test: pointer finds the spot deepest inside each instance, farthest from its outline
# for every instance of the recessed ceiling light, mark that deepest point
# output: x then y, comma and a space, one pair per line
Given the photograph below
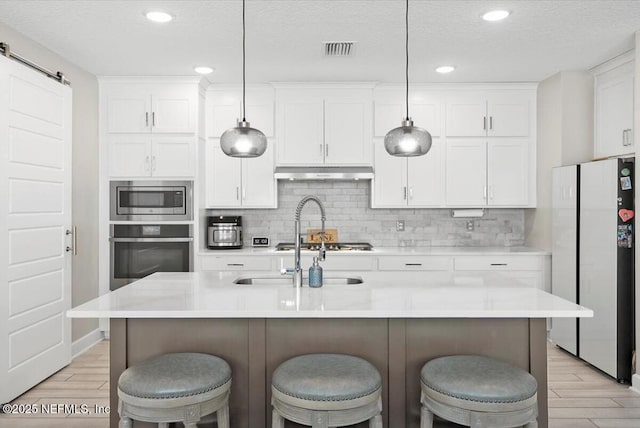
158, 16
444, 69
203, 69
496, 15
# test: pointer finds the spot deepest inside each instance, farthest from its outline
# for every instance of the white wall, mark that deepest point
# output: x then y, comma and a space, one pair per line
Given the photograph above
85, 167
565, 137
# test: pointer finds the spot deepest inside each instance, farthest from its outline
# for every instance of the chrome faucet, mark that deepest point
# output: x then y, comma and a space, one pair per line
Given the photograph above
297, 270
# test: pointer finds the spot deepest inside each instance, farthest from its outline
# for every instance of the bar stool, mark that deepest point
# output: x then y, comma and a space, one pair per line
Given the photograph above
179, 387
326, 390
479, 392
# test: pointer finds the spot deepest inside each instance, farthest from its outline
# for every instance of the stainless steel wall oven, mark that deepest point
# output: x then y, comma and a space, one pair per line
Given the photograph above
138, 250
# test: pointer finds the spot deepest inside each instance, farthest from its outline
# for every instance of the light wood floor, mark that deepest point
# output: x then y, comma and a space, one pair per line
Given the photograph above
579, 396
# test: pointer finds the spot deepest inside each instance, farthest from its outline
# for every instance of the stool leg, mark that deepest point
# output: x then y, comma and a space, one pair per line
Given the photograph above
223, 416
426, 418
125, 422
376, 421
277, 421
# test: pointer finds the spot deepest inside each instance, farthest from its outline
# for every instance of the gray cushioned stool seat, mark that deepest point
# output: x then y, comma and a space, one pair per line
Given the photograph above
175, 375
478, 378
326, 377
179, 387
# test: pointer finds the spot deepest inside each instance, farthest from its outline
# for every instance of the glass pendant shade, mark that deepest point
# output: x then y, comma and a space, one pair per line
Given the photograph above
407, 140
243, 141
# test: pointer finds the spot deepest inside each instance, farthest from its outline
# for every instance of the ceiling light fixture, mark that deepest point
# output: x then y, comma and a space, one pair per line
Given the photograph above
203, 69
444, 69
407, 140
243, 141
495, 15
158, 16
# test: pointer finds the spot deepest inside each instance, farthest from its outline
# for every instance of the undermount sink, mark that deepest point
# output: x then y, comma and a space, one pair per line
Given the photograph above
286, 280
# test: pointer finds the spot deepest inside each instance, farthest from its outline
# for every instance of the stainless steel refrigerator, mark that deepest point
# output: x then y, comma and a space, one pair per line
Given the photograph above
593, 261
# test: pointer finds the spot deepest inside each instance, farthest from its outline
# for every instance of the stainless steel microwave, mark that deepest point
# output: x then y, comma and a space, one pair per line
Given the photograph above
151, 200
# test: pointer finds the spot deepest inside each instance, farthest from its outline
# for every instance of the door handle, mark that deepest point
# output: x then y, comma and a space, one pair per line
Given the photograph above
490, 122
484, 192
411, 192
404, 190
484, 123
146, 118
153, 163
153, 118
74, 240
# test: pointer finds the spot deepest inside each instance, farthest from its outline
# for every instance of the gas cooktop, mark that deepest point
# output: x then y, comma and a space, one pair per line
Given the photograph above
333, 246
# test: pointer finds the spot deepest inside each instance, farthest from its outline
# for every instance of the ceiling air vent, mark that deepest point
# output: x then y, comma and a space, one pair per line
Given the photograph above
339, 48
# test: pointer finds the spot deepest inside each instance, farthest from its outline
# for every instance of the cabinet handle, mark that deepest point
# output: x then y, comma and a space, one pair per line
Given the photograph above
244, 193
411, 192
321, 149
146, 163
237, 193
484, 192
146, 118
153, 118
484, 123
153, 163
413, 264
326, 150
498, 264
404, 190
235, 264
490, 122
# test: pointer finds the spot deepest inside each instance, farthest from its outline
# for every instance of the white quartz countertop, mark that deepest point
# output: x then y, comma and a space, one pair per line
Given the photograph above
390, 251
381, 295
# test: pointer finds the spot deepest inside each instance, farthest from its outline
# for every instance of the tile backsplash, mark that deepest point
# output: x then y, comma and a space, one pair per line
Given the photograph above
348, 210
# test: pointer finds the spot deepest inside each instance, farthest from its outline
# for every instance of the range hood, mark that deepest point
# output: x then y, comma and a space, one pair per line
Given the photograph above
324, 173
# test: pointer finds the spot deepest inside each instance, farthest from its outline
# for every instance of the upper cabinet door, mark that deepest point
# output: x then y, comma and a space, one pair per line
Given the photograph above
389, 186
467, 115
259, 187
614, 112
507, 173
347, 125
425, 177
128, 110
466, 172
223, 176
425, 109
173, 156
174, 109
129, 155
223, 111
508, 113
300, 130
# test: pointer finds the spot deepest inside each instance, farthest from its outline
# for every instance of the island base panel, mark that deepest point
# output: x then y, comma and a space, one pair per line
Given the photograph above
397, 347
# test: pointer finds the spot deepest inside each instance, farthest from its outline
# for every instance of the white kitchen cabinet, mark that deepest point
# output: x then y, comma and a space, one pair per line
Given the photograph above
525, 270
413, 182
324, 126
493, 173
425, 109
224, 109
150, 126
239, 262
411, 263
503, 113
157, 108
234, 182
140, 155
614, 111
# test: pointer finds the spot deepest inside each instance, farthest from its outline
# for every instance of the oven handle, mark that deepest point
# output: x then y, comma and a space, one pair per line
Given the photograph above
151, 239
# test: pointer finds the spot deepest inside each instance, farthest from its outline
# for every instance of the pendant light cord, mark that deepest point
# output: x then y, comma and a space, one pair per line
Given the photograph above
406, 49
244, 103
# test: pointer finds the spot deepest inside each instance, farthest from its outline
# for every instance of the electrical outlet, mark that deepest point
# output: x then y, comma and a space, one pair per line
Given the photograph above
400, 226
470, 225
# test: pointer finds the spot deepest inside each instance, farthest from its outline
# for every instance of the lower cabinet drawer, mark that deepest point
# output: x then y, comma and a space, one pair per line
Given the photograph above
332, 262
415, 263
235, 263
498, 263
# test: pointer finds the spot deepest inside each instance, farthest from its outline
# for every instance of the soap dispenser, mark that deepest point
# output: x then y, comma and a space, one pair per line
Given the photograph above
315, 274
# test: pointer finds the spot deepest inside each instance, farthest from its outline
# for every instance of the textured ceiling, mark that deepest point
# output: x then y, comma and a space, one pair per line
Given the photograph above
284, 38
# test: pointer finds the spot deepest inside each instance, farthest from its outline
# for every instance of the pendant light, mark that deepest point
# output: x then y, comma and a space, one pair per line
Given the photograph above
243, 141
407, 140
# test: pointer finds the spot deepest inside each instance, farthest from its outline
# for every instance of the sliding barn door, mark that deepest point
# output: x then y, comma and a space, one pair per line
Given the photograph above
35, 214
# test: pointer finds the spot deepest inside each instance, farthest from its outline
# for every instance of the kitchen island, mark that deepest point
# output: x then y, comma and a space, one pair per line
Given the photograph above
397, 322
